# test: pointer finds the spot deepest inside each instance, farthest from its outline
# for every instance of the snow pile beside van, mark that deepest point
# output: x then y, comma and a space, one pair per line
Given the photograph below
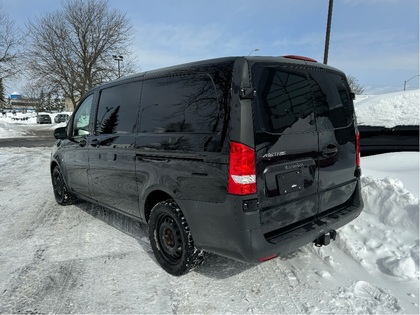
384, 238
389, 110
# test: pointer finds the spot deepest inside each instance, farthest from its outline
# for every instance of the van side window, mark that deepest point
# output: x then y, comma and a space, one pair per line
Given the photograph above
333, 101
118, 108
80, 126
284, 101
185, 103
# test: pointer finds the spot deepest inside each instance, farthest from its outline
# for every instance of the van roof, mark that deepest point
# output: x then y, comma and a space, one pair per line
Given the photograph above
291, 59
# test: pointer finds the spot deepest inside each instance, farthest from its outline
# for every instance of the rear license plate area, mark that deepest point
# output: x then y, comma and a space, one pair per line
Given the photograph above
290, 182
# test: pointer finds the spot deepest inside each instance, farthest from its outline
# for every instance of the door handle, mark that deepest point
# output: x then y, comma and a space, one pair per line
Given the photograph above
329, 150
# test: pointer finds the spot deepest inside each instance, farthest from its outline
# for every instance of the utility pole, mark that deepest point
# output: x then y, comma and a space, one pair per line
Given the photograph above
327, 37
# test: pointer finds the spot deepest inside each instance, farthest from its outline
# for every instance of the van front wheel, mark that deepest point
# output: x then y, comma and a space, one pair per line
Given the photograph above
61, 192
171, 239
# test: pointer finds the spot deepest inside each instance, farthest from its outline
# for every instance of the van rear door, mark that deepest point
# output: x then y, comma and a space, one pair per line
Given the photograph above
305, 144
286, 143
337, 139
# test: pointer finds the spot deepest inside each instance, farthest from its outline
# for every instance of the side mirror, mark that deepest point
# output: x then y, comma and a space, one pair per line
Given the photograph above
353, 95
60, 133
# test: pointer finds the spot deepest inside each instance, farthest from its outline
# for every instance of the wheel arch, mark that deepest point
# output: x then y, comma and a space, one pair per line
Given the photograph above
154, 197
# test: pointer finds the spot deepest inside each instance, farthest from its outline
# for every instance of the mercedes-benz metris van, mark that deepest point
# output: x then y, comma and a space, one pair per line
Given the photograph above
245, 157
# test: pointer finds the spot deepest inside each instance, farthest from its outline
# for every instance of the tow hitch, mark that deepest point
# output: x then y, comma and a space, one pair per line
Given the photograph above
326, 238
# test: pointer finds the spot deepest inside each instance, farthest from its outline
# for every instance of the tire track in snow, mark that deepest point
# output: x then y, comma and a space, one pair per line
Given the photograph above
282, 282
24, 208
40, 287
29, 212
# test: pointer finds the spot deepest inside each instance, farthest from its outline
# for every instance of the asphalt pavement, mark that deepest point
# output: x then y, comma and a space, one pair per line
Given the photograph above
38, 138
28, 142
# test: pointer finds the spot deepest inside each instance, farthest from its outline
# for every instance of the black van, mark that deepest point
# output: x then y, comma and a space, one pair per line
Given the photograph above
245, 157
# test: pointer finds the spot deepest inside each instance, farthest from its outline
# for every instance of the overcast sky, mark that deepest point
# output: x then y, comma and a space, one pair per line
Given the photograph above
377, 41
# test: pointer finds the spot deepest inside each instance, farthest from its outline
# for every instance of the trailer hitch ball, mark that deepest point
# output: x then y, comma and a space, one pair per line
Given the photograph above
326, 238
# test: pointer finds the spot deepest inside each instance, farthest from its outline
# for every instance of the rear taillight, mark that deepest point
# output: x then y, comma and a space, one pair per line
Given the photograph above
242, 178
357, 149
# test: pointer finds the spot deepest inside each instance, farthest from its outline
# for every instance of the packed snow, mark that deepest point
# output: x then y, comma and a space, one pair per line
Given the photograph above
84, 259
23, 124
389, 110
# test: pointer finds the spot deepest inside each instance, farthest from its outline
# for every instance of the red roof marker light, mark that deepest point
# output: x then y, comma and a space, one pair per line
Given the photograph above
300, 58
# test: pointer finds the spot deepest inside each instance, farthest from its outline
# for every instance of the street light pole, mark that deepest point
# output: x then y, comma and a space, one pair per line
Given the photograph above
256, 49
118, 58
405, 82
327, 37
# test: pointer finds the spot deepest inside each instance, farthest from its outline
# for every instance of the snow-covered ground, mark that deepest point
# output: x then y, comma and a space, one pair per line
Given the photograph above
389, 110
84, 259
22, 125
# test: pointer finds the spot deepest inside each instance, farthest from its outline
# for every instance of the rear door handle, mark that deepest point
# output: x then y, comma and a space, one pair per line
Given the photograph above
329, 150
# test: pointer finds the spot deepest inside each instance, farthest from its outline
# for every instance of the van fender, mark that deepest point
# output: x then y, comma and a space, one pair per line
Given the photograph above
153, 195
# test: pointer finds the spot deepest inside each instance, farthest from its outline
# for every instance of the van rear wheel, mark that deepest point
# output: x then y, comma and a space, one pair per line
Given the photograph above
171, 239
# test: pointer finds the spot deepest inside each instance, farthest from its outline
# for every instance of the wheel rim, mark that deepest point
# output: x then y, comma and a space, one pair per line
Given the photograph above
170, 239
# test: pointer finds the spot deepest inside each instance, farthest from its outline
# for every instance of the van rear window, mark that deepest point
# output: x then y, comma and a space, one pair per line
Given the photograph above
333, 104
284, 99
296, 100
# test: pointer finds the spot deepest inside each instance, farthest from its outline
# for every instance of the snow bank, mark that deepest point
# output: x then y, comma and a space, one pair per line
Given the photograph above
389, 110
401, 165
390, 202
385, 236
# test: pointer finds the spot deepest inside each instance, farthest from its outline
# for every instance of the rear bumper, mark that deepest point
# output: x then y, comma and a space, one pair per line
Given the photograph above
291, 240
227, 230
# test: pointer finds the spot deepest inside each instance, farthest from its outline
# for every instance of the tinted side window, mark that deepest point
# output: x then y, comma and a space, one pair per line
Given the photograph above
118, 108
332, 99
185, 103
80, 125
284, 100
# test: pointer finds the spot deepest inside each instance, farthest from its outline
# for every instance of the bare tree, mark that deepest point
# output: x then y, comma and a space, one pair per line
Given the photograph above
1, 91
72, 48
355, 86
10, 41
42, 98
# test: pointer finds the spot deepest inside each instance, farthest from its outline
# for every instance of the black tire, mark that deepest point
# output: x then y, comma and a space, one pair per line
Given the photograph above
171, 239
61, 192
